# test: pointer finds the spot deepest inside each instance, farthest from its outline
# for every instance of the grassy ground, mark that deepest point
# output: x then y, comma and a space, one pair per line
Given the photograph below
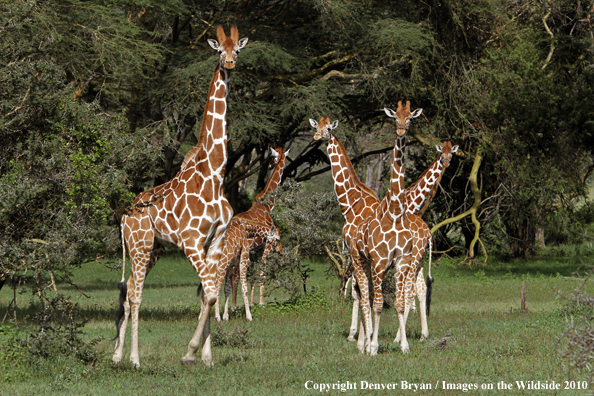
477, 337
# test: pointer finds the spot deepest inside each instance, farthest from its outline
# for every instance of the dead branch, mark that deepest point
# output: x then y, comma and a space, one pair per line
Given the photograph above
472, 211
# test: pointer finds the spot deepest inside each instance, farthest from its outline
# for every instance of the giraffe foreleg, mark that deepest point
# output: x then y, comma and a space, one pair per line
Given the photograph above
378, 270
400, 303
364, 343
234, 284
243, 267
267, 251
252, 288
421, 290
135, 288
228, 290
206, 268
355, 314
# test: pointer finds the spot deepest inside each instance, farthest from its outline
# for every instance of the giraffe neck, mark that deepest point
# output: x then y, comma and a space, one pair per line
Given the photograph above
213, 133
396, 197
421, 190
271, 186
353, 196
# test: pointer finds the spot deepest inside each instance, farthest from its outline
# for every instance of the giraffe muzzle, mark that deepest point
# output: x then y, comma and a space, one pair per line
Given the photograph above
401, 131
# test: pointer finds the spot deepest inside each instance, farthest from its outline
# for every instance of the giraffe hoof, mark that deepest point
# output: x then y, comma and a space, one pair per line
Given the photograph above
116, 359
351, 338
208, 362
185, 362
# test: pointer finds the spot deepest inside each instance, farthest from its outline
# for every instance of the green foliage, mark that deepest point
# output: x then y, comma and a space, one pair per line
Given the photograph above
101, 100
579, 337
235, 338
59, 323
14, 356
301, 303
67, 166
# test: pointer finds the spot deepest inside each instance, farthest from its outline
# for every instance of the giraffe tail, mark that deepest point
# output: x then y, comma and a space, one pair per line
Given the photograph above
199, 291
429, 280
123, 289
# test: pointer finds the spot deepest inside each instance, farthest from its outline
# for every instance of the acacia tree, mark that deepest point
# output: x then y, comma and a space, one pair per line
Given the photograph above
66, 167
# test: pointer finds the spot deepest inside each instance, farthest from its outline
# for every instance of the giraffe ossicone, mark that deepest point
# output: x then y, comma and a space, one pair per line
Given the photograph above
191, 214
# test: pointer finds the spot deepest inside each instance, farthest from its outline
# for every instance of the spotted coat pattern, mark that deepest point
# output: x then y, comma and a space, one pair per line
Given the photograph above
246, 232
190, 212
391, 236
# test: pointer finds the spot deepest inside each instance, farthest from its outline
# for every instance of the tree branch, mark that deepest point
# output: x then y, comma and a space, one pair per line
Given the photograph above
544, 21
472, 211
354, 161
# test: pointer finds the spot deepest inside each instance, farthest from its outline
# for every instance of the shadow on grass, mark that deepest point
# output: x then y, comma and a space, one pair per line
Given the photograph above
101, 285
162, 314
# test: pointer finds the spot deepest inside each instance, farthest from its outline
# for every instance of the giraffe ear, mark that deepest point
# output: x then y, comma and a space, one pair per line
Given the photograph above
287, 152
416, 113
334, 124
242, 43
454, 149
272, 229
390, 112
274, 153
313, 123
439, 148
214, 44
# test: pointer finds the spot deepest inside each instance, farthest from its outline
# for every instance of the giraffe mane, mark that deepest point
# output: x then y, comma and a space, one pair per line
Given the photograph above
190, 155
360, 185
247, 221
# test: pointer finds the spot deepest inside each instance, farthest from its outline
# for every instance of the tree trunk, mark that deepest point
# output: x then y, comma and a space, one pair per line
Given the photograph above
540, 237
375, 170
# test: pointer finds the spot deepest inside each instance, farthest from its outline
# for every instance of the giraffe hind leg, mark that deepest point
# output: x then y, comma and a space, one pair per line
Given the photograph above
355, 313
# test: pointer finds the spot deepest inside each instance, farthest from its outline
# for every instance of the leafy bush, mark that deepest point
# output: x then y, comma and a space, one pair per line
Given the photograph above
580, 333
13, 353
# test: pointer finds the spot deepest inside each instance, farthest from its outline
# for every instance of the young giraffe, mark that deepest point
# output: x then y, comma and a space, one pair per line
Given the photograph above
247, 231
190, 212
390, 236
418, 196
250, 238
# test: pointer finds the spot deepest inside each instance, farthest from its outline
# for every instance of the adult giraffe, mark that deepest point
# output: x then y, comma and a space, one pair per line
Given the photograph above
356, 200
418, 196
246, 232
390, 236
190, 212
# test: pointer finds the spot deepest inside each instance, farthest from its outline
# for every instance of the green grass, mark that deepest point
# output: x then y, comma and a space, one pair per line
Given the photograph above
476, 310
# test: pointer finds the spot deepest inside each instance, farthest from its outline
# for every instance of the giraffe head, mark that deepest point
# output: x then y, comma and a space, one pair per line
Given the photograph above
323, 128
273, 238
277, 155
403, 116
446, 153
228, 46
